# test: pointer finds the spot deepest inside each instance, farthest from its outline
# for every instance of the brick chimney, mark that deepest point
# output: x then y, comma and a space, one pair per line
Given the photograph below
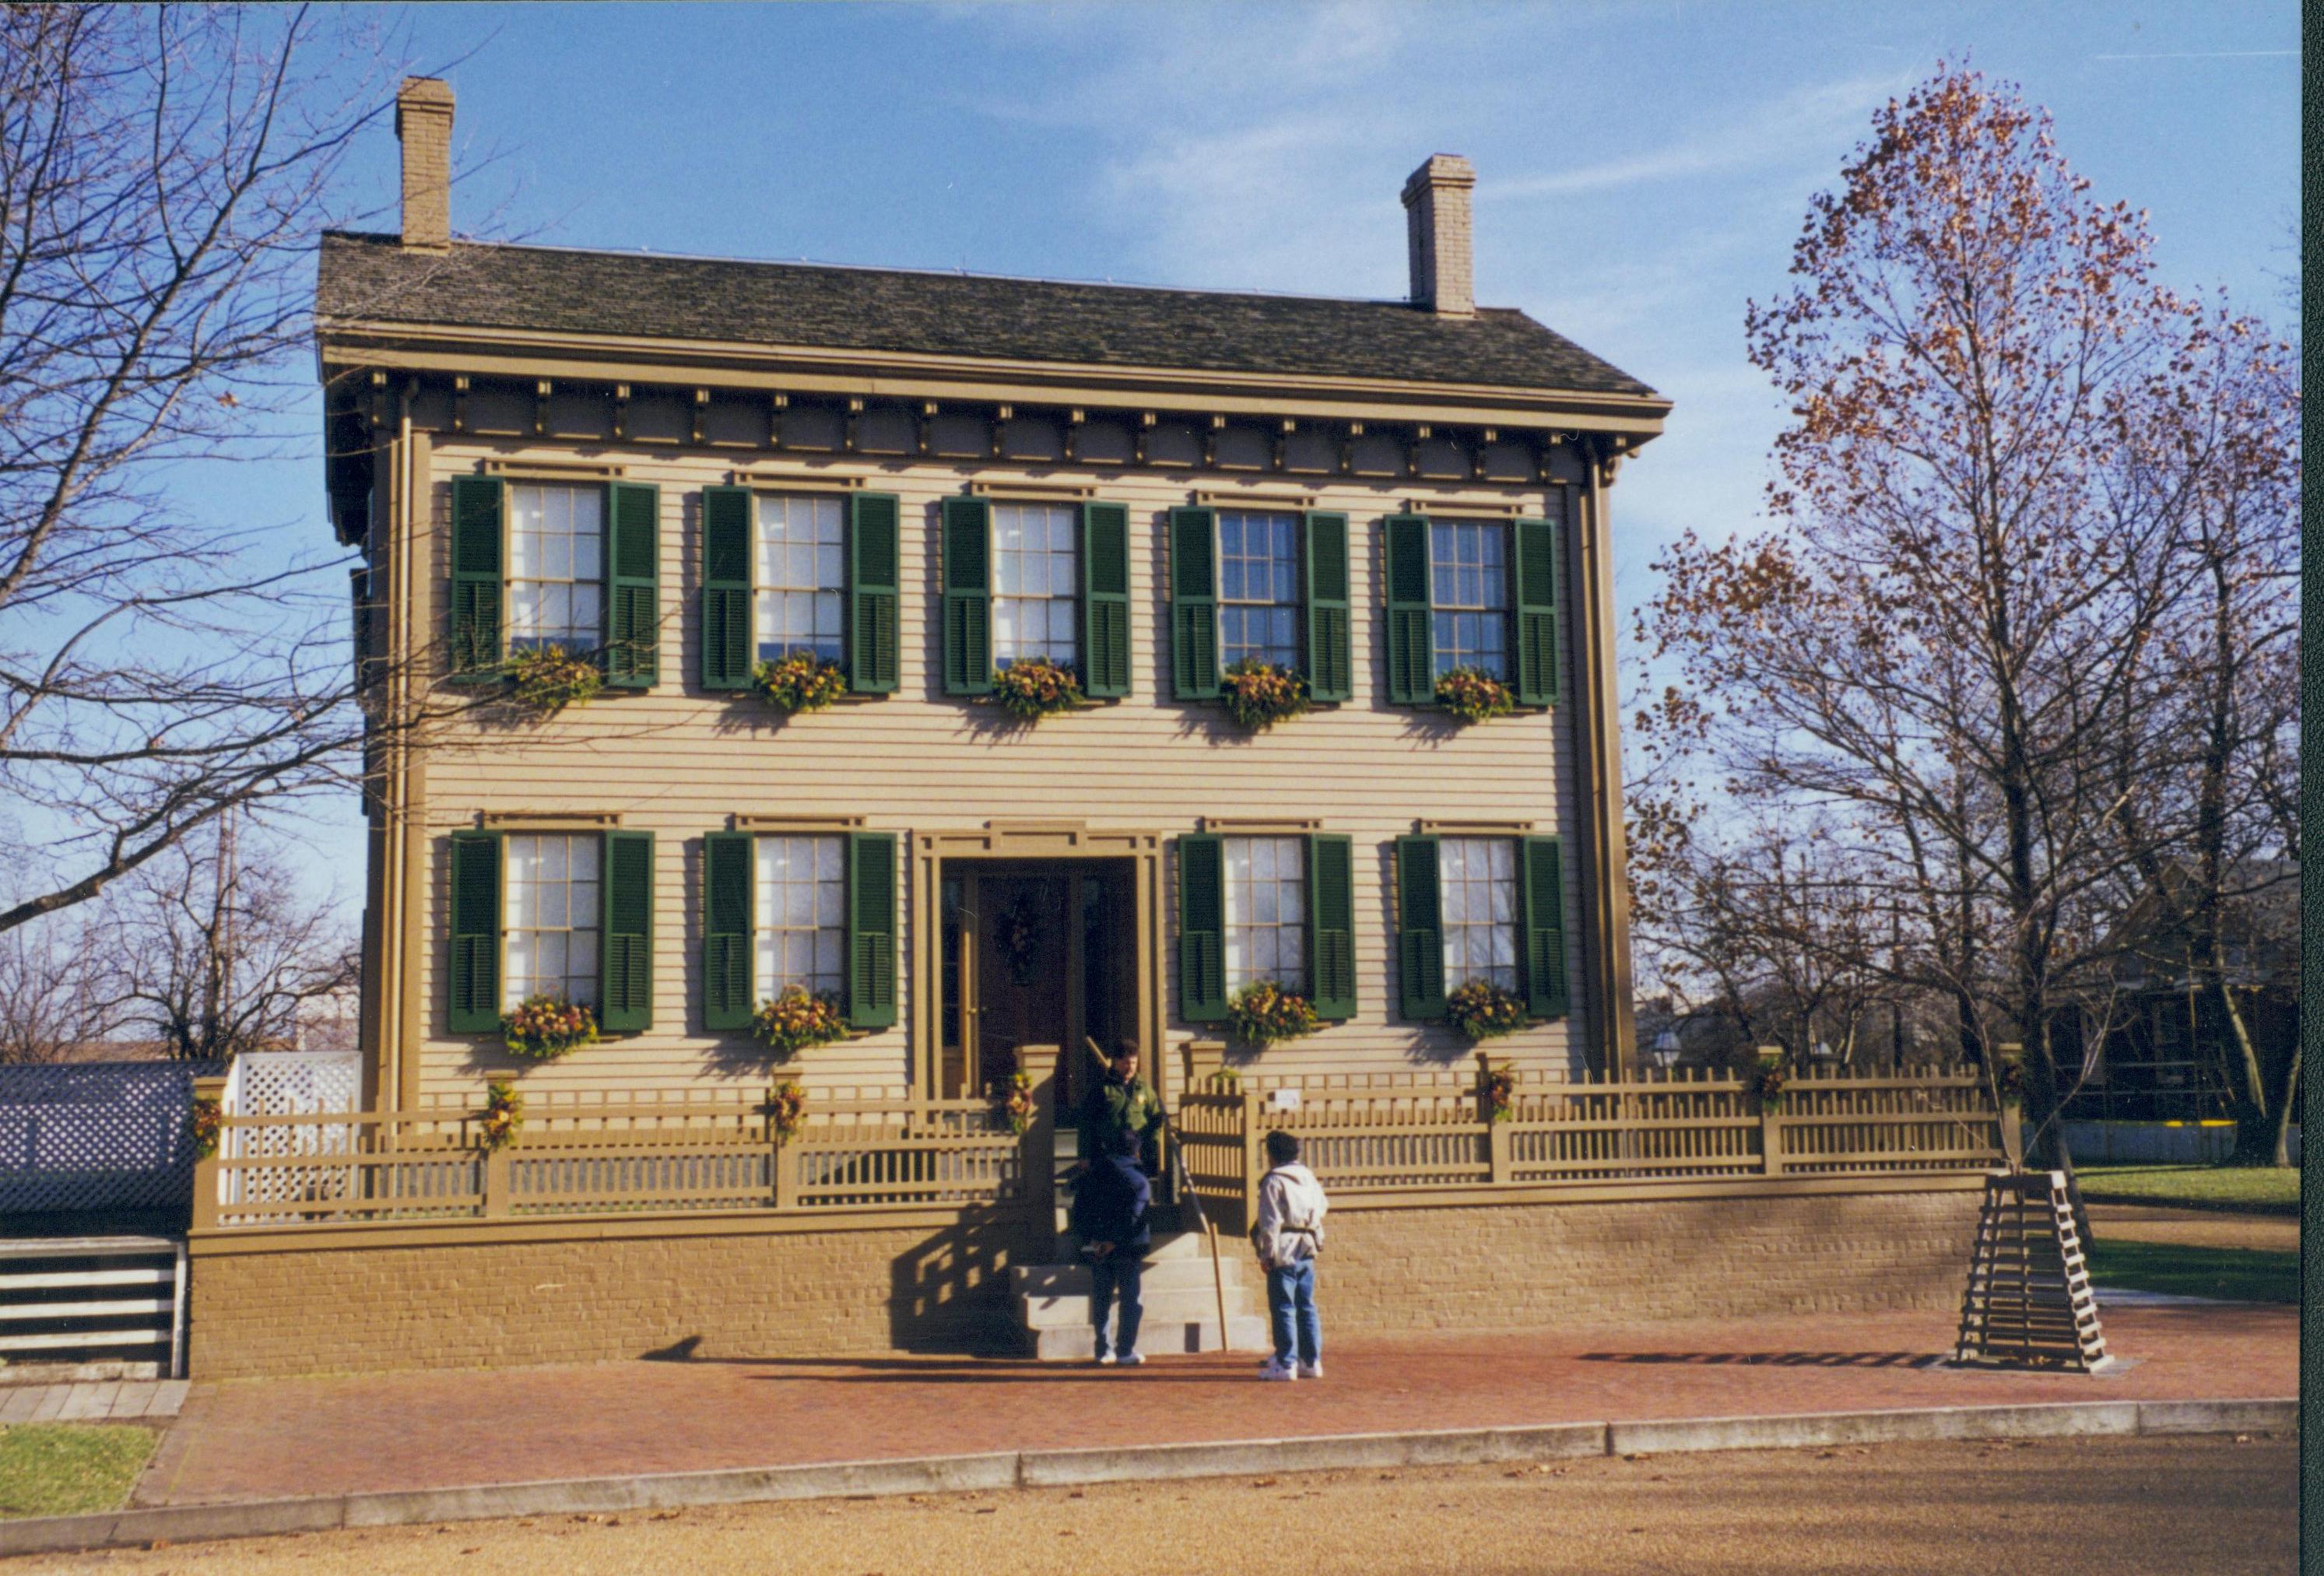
1436, 227
423, 124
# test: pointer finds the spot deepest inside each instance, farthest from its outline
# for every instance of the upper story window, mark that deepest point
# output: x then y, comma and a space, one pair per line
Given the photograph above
1470, 576
1259, 588
1267, 912
800, 573
1477, 881
1036, 583
801, 901
551, 917
556, 567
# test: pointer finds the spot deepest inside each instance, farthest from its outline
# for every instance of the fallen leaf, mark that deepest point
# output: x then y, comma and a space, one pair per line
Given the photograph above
1263, 1483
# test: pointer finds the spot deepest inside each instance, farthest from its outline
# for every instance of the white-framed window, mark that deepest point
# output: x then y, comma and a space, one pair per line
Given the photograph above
799, 546
800, 898
1259, 588
550, 936
1036, 583
1468, 575
1267, 912
557, 565
1477, 881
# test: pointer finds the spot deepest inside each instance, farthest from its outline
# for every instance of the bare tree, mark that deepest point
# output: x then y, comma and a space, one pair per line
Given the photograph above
216, 953
53, 999
163, 173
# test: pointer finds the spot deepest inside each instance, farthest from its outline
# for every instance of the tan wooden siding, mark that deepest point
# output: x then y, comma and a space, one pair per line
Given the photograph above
678, 762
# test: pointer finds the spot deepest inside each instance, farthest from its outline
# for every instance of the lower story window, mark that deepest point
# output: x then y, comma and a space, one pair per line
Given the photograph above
801, 903
550, 939
1477, 881
1266, 912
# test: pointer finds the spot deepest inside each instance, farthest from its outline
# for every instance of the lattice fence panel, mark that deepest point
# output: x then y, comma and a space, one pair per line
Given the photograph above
97, 1136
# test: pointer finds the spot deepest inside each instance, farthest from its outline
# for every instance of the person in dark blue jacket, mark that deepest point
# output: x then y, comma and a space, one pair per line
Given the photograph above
1109, 1215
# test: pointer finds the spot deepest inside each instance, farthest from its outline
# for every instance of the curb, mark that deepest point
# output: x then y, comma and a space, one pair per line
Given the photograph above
1057, 1467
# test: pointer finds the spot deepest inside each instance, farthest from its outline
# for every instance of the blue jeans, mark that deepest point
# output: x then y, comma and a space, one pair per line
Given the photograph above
1291, 1304
1122, 1270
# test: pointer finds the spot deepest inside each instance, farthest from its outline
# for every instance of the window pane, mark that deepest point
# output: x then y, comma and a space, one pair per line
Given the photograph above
1259, 587
549, 882
801, 905
1266, 896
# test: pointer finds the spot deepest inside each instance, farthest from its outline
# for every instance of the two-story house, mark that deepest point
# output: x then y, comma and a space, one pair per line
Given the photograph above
686, 467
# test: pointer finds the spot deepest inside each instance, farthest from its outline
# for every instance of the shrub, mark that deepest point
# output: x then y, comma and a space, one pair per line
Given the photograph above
1034, 689
1258, 694
1263, 1013
800, 682
1473, 695
548, 678
545, 1028
1483, 1011
795, 1019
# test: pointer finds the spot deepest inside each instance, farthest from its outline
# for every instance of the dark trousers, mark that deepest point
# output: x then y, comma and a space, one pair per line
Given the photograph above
1122, 1271
1291, 1308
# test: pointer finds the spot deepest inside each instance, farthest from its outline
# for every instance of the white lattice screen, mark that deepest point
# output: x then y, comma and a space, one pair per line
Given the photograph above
290, 1083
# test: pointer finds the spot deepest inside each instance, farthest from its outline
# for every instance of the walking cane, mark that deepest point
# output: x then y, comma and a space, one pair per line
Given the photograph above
1186, 1192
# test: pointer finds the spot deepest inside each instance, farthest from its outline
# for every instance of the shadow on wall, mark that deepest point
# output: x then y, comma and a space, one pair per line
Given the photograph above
950, 1294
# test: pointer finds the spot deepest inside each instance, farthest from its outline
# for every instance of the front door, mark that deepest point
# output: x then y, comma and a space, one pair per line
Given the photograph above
1024, 953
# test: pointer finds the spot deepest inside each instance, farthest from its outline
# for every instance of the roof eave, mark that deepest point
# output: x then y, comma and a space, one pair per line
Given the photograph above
450, 349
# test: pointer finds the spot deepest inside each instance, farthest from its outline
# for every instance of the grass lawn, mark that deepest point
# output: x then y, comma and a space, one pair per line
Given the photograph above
2260, 1189
2236, 1275
68, 1469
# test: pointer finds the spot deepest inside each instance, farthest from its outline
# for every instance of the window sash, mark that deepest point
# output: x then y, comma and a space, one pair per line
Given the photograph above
1477, 886
1469, 579
1259, 587
798, 568
550, 886
557, 565
1267, 912
798, 888
1036, 583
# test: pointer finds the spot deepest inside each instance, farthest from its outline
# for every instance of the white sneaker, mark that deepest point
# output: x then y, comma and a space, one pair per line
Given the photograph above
1311, 1370
1131, 1358
1105, 1360
1272, 1369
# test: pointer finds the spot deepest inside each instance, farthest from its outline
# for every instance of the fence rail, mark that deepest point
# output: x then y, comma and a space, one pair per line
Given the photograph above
600, 1157
1412, 1133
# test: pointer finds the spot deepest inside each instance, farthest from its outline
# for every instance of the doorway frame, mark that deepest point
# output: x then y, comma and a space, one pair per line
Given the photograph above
1007, 842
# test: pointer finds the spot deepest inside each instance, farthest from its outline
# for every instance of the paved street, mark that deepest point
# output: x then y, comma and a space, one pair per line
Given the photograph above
2152, 1506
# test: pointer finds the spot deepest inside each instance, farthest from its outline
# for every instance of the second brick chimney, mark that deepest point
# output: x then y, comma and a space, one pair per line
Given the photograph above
423, 124
1436, 227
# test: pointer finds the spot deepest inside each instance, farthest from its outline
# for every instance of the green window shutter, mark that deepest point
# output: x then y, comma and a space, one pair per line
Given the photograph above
476, 971
727, 646
476, 503
1534, 619
967, 596
1324, 630
726, 916
1332, 925
1411, 628
625, 939
1202, 928
1105, 600
871, 929
1193, 604
632, 584
1419, 930
1543, 904
874, 580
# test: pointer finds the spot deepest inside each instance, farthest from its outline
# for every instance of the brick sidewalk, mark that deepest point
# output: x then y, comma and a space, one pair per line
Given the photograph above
270, 1438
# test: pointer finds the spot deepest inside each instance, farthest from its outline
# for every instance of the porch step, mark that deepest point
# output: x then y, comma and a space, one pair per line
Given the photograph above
1180, 1299
1156, 1338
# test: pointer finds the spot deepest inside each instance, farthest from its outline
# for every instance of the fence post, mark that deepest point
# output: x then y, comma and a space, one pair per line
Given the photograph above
496, 1184
1205, 1059
2009, 1086
209, 1177
786, 1176
1039, 1065
1771, 1123
1253, 1163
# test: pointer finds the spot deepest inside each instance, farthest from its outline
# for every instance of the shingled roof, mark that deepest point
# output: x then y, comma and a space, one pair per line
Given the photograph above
374, 279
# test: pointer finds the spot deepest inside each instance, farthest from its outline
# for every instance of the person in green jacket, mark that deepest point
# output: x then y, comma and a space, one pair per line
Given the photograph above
1123, 1102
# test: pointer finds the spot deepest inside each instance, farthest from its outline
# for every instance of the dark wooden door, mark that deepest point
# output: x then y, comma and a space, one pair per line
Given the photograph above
1023, 966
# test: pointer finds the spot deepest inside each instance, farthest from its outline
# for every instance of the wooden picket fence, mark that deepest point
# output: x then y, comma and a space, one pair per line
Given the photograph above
1378, 1136
852, 1153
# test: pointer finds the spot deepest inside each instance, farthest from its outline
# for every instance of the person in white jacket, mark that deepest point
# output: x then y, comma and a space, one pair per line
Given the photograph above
1289, 1233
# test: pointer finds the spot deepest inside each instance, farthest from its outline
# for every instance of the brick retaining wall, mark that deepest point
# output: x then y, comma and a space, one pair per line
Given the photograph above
452, 1299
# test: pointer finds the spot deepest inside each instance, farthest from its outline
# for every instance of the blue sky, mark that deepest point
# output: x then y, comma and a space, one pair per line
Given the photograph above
1643, 168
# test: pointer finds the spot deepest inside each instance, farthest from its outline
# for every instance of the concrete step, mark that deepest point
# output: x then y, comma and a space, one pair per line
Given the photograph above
1156, 1338
1056, 1280
1179, 1302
